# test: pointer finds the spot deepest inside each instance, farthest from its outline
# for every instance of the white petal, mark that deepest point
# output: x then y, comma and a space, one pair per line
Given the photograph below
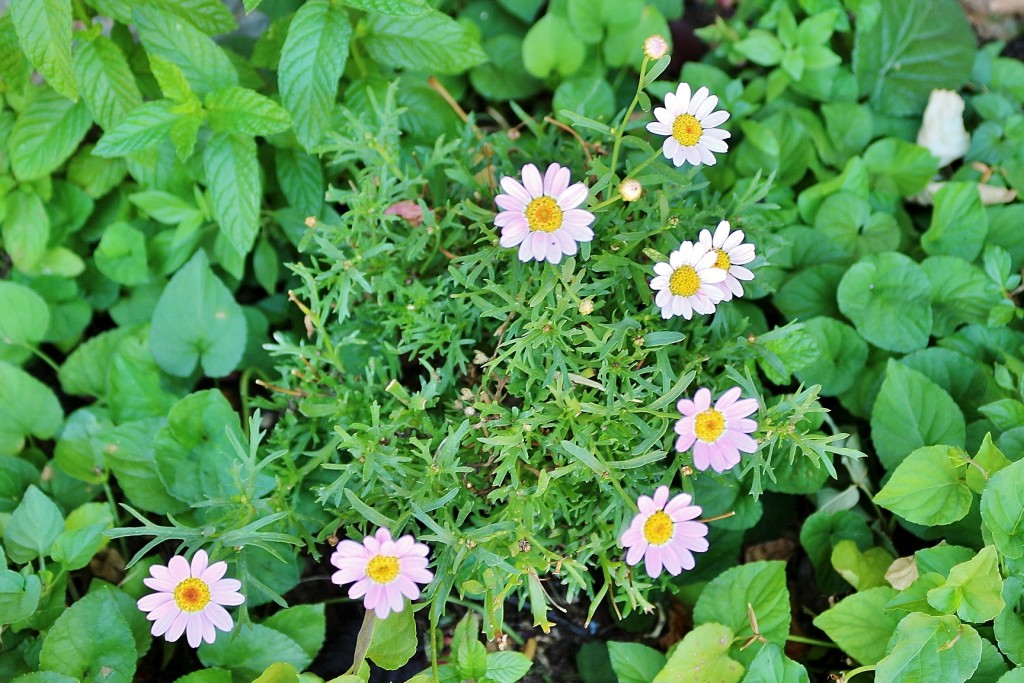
532, 181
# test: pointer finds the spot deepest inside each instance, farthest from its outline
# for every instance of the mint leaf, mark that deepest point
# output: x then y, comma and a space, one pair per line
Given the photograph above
14, 67
301, 179
401, 7
46, 133
233, 176
44, 29
105, 80
312, 60
212, 17
428, 42
26, 229
245, 112
205, 65
145, 127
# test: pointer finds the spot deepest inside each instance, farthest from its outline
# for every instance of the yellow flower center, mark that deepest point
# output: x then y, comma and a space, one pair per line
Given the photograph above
191, 595
709, 425
658, 528
382, 569
684, 281
687, 130
543, 214
722, 261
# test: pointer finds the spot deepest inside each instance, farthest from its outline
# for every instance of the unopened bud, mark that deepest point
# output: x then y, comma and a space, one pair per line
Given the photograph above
630, 190
655, 47
587, 306
310, 221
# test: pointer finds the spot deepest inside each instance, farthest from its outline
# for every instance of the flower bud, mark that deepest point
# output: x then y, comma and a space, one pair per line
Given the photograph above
630, 190
655, 47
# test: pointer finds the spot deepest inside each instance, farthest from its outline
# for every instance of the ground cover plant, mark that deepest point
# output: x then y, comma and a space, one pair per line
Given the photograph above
396, 339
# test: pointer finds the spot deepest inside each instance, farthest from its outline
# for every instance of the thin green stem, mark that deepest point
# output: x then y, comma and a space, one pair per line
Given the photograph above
433, 649
40, 355
859, 670
518, 639
811, 641
620, 130
644, 164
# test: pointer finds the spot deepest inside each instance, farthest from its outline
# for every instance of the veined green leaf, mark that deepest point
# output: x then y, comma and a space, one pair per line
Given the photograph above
301, 179
105, 81
401, 7
428, 42
245, 112
44, 29
172, 80
121, 10
27, 406
14, 67
232, 174
141, 129
204, 63
212, 17
312, 60
46, 133
26, 229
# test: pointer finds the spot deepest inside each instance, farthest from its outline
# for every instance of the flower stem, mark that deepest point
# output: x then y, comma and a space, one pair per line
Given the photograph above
620, 130
811, 641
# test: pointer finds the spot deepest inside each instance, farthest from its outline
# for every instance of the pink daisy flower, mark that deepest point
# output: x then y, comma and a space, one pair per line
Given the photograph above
540, 215
189, 599
688, 282
732, 252
717, 434
664, 535
385, 571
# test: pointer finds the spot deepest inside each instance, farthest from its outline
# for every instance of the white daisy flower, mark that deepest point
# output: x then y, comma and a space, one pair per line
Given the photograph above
540, 215
731, 253
688, 282
691, 126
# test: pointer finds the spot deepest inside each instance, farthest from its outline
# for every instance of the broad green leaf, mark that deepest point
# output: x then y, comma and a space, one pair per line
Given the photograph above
625, 45
841, 356
911, 411
394, 640
942, 558
586, 96
94, 174
210, 676
121, 254
702, 657
431, 41
85, 371
993, 666
860, 624
503, 77
135, 385
171, 78
45, 677
929, 487
961, 293
988, 460
106, 82
233, 176
251, 650
194, 454
215, 333
972, 590
959, 222
76, 454
312, 61
245, 112
1002, 508
279, 672
33, 526
24, 318
128, 451
509, 667
1004, 414
861, 569
19, 596
916, 46
301, 179
820, 534
914, 598
635, 663
91, 641
811, 293
27, 406
760, 47
888, 298
771, 665
551, 46
142, 128
899, 167
961, 377
165, 207
1009, 624
204, 63
762, 585
44, 29
926, 649
305, 624
46, 133
402, 7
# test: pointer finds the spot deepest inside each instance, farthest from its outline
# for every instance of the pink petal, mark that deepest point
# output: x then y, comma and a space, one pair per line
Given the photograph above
508, 203
394, 596
162, 573
515, 188
635, 553
158, 584
374, 596
177, 627
214, 572
383, 536
179, 569
572, 196
218, 616
194, 629
152, 601
407, 587
661, 497
679, 506
652, 561
199, 563
701, 456
532, 181
526, 249
227, 598
646, 505
577, 217
684, 442
702, 399
727, 399
209, 633
744, 443
225, 585
168, 610
556, 179
513, 235
360, 588
164, 622
671, 561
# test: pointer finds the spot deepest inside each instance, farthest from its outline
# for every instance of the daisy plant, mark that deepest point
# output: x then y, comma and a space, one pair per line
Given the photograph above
719, 433
383, 571
688, 282
665, 533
